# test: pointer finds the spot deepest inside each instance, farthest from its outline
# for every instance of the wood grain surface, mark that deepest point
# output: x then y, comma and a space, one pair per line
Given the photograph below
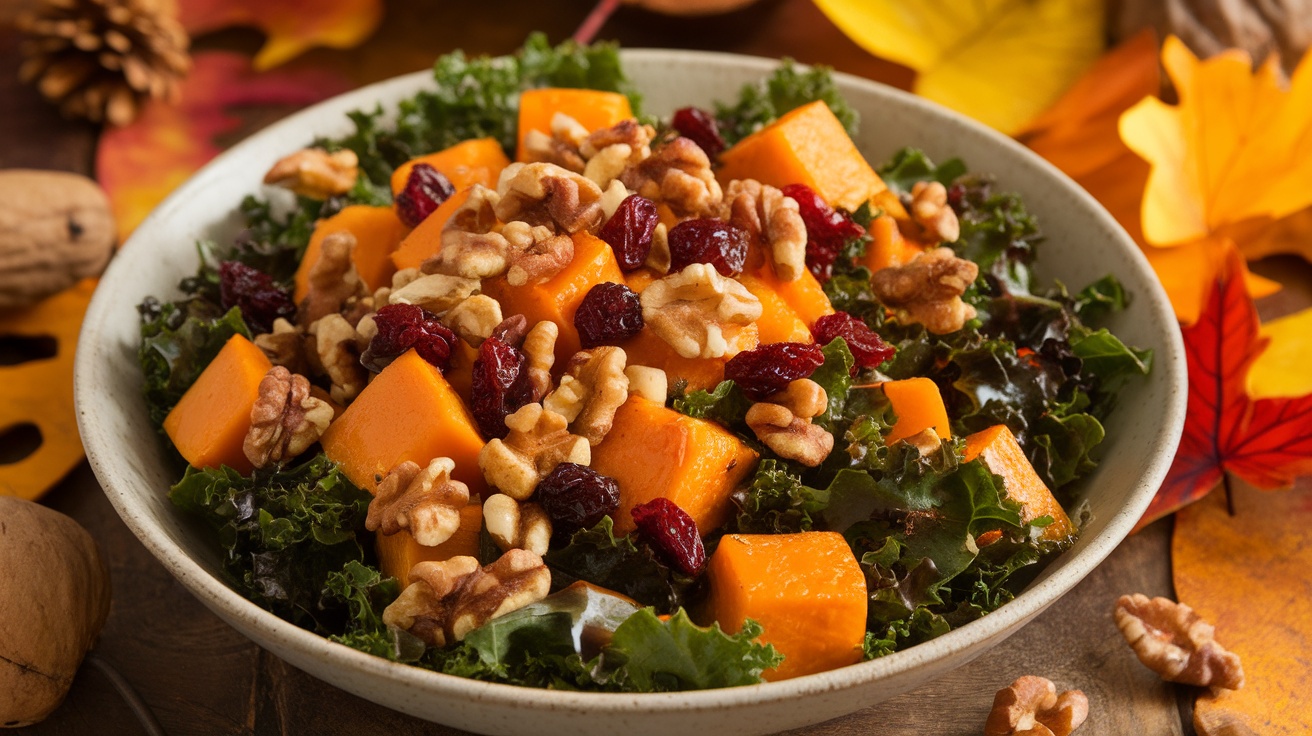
198, 676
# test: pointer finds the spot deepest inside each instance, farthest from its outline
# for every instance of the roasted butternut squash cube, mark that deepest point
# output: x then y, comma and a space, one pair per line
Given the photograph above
593, 109
399, 553
779, 322
919, 406
408, 412
425, 241
209, 423
652, 451
887, 246
808, 146
645, 348
558, 298
806, 590
378, 232
477, 161
1000, 451
805, 295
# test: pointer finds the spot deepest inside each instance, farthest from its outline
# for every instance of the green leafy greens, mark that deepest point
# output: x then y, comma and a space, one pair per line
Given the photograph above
787, 88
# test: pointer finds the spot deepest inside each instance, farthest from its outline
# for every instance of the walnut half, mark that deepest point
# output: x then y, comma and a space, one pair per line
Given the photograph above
783, 423
1176, 643
928, 290
427, 501
315, 173
591, 390
700, 313
1031, 706
285, 419
539, 440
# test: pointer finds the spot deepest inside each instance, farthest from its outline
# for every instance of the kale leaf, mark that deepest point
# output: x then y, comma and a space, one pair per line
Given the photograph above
786, 89
647, 654
725, 404
618, 563
178, 340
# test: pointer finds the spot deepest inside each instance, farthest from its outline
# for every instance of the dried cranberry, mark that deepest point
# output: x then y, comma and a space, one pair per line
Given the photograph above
253, 291
700, 126
499, 387
672, 532
827, 230
866, 345
405, 326
771, 367
705, 240
425, 190
608, 313
628, 231
576, 496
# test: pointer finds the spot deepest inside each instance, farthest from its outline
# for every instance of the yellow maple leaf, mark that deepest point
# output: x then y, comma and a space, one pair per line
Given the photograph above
292, 26
998, 61
1237, 146
1281, 370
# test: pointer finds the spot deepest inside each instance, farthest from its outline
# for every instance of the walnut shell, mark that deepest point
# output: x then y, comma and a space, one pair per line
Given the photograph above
55, 230
54, 597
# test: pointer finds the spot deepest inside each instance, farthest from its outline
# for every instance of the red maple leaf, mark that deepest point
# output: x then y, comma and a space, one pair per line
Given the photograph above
1267, 442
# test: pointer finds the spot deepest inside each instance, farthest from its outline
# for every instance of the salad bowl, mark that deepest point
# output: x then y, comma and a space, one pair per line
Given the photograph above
1083, 243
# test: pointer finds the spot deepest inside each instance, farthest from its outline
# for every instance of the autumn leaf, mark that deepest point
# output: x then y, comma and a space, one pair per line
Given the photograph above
998, 61
1267, 442
1237, 146
291, 26
1284, 369
1246, 572
139, 164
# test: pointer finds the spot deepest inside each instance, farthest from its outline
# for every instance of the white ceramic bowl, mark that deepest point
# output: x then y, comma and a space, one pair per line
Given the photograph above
1083, 243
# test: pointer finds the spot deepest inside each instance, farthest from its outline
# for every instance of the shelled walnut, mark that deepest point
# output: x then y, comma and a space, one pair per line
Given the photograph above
1176, 643
1030, 706
285, 419
928, 290
426, 501
539, 440
783, 423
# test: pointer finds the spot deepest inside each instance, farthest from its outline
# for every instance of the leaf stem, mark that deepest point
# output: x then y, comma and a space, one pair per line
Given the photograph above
125, 690
1229, 498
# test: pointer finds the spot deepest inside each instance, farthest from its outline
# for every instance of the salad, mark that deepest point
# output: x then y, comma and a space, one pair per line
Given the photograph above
528, 386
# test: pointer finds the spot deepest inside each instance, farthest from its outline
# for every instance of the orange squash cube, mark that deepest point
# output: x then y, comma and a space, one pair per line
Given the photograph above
645, 348
425, 241
808, 146
887, 247
805, 295
209, 423
477, 161
919, 406
779, 322
593, 109
1000, 451
653, 451
408, 412
377, 230
399, 553
806, 590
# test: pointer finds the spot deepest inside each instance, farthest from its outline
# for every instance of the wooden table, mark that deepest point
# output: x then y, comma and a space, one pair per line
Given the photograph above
198, 675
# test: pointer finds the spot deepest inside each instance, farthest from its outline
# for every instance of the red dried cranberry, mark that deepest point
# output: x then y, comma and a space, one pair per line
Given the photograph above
827, 230
405, 326
628, 231
608, 313
866, 345
771, 367
576, 496
425, 190
705, 240
253, 291
700, 126
672, 532
499, 386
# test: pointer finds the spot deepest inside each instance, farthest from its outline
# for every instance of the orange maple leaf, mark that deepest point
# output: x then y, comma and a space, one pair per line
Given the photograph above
291, 26
1267, 442
139, 164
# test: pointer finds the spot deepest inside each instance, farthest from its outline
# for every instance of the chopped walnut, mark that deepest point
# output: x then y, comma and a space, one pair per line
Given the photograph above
540, 349
658, 258
535, 253
611, 198
471, 247
427, 501
1031, 706
285, 346
547, 195
474, 318
783, 423
515, 525
610, 151
512, 330
315, 173
449, 599
770, 218
539, 440
928, 290
925, 441
1176, 643
700, 313
930, 210
437, 292
285, 419
560, 147
649, 383
333, 280
678, 174
337, 345
591, 390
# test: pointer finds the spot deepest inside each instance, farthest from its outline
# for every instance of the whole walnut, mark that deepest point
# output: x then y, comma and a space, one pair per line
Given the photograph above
54, 598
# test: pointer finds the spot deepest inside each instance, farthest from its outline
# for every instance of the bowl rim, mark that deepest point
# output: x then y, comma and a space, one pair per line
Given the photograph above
217, 595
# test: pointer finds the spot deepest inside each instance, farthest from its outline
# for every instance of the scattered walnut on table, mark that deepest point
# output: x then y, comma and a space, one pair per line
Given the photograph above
678, 174
516, 525
285, 419
928, 290
783, 422
449, 599
426, 501
337, 347
770, 218
700, 313
316, 173
1030, 706
931, 211
590, 392
538, 441
1176, 643
333, 280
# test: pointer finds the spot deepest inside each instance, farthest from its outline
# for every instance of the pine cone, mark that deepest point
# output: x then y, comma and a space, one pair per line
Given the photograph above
101, 59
